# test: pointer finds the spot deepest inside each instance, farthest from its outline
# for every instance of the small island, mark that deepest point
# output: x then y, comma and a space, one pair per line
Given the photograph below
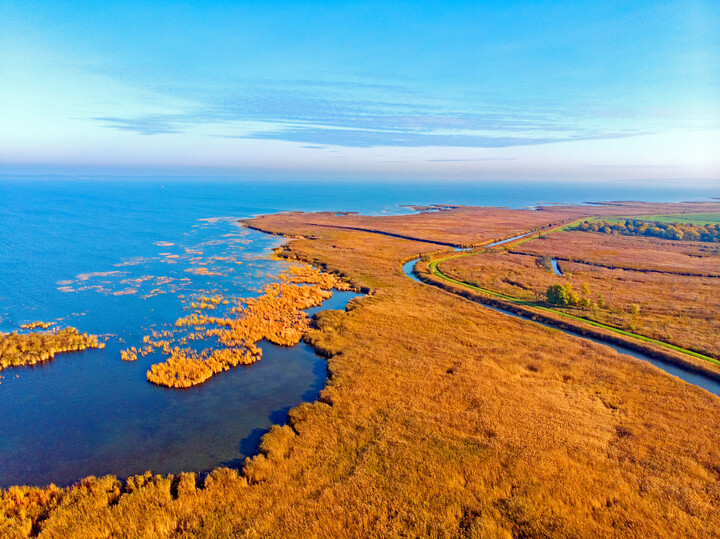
19, 349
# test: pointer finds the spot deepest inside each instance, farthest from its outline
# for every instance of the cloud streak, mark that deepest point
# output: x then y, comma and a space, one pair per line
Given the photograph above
315, 119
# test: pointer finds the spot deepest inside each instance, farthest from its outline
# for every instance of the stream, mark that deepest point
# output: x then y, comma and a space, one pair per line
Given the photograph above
686, 374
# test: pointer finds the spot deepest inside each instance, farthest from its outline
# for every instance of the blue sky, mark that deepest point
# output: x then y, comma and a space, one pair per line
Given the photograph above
578, 91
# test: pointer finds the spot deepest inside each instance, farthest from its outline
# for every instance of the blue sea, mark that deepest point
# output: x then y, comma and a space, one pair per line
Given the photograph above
120, 257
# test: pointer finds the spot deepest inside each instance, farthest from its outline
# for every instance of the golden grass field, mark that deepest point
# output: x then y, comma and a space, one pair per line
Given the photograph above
440, 418
679, 309
629, 252
467, 225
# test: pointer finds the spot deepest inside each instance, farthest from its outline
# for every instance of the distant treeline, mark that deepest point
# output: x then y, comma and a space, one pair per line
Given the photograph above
669, 231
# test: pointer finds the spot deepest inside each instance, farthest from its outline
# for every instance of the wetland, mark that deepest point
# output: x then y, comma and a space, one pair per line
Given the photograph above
424, 412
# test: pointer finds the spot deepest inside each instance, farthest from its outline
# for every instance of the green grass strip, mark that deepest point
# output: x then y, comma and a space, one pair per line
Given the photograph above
435, 271
544, 232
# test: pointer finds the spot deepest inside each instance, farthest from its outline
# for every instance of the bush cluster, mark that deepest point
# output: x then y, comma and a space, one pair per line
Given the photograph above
563, 295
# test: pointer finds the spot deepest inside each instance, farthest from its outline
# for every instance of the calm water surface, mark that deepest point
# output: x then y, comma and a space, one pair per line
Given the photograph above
121, 258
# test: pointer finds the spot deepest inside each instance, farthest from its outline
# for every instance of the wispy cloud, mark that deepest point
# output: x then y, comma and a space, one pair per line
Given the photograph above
358, 138
329, 114
146, 125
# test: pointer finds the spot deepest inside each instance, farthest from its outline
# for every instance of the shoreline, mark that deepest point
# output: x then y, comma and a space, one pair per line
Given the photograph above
201, 473
395, 376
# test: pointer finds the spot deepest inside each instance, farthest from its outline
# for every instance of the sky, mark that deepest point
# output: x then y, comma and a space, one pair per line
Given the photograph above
547, 90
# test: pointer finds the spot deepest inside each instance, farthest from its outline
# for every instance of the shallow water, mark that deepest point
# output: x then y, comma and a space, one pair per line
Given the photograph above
89, 413
121, 258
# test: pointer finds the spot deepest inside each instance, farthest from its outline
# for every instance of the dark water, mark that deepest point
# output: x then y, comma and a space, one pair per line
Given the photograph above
121, 258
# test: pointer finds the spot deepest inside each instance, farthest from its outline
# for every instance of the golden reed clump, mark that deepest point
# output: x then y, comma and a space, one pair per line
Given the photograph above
130, 354
187, 368
163, 341
37, 324
209, 302
30, 348
305, 274
27, 505
276, 316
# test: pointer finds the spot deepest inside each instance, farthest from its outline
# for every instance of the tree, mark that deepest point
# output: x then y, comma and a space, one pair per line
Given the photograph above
573, 298
671, 231
557, 295
562, 295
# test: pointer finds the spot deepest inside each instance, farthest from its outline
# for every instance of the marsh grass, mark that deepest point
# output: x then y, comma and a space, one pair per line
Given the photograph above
18, 349
678, 309
440, 418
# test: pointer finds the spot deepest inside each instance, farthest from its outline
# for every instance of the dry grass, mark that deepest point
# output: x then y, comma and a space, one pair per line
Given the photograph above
276, 316
628, 252
37, 324
678, 309
468, 225
440, 418
18, 349
463, 225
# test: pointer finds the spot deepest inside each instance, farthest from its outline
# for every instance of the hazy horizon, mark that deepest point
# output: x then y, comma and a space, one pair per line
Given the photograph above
483, 91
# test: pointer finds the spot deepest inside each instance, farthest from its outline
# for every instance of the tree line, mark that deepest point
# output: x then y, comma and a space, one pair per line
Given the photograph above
668, 231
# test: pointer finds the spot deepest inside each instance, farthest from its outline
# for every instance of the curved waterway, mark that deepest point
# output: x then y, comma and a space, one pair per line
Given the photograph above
692, 377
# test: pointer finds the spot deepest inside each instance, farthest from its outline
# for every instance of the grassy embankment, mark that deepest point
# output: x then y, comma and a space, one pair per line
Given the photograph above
677, 309
440, 418
533, 306
663, 289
